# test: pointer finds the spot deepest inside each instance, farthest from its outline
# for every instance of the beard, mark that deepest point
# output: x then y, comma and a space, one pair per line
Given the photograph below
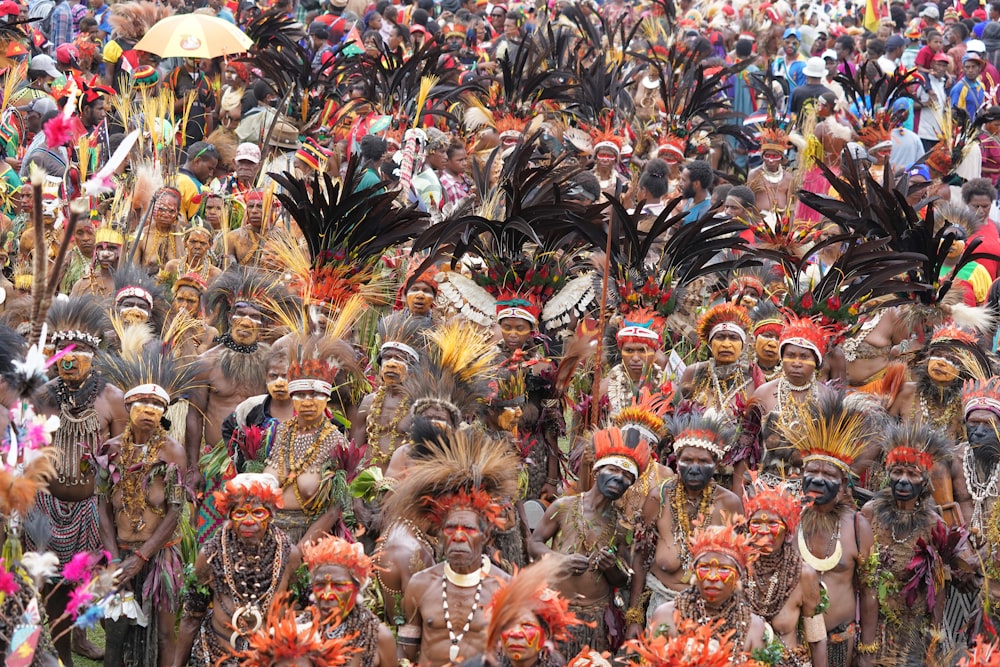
886, 514
246, 369
823, 523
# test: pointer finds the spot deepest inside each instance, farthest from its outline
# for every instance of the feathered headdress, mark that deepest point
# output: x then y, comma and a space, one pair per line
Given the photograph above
724, 539
913, 443
767, 318
958, 341
282, 640
455, 372
330, 550
984, 654
463, 469
808, 333
151, 372
873, 103
610, 450
706, 430
132, 20
834, 433
724, 317
240, 284
778, 501
981, 394
696, 645
530, 591
645, 415
132, 281
247, 486
346, 230
77, 319
315, 361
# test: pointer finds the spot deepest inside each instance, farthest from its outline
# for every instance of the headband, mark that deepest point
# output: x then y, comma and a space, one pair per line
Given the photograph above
149, 389
701, 443
829, 459
802, 342
519, 313
982, 403
623, 462
401, 347
643, 431
126, 292
310, 384
77, 336
638, 334
730, 327
769, 324
607, 144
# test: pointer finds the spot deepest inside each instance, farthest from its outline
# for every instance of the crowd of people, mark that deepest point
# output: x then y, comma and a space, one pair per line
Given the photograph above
644, 333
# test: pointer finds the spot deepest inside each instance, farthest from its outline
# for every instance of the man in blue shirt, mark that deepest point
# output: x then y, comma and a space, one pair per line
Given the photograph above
790, 63
61, 30
696, 183
969, 92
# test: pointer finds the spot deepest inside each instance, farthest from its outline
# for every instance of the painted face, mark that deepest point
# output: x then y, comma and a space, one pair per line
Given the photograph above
196, 245
310, 406
726, 347
134, 310
765, 345
393, 371
716, 577
637, 358
515, 332
463, 539
188, 299
906, 482
772, 160
245, 323
523, 640
942, 370
166, 209
250, 520
768, 530
255, 213
695, 467
613, 481
981, 431
277, 380
335, 591
439, 417
75, 366
821, 482
145, 412
798, 364
107, 254
791, 45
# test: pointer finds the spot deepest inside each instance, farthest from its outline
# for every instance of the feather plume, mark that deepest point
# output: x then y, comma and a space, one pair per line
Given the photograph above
148, 180
532, 590
834, 432
150, 366
463, 348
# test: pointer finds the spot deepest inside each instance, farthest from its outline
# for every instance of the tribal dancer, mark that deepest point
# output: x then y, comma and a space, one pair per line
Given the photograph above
456, 492
90, 412
830, 440
720, 558
339, 572
588, 529
767, 324
638, 345
662, 562
141, 505
244, 567
909, 541
782, 589
529, 621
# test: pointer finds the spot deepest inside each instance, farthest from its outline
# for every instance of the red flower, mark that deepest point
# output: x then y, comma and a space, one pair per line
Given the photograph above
833, 303
807, 300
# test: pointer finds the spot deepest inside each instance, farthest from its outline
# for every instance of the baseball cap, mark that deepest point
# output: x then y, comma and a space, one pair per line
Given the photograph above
45, 64
941, 58
319, 29
829, 54
930, 11
67, 54
791, 32
894, 42
972, 55
249, 152
9, 8
42, 105
975, 46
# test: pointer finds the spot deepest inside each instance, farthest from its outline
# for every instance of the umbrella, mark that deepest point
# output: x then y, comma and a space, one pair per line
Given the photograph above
194, 36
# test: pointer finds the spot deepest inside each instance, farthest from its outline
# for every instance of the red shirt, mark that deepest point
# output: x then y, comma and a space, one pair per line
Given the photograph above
924, 56
990, 236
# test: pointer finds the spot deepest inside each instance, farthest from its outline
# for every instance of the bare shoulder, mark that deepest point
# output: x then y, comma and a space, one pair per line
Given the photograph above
173, 452
727, 501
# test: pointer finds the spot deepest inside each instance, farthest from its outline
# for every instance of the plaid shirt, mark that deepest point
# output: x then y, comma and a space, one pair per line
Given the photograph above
61, 31
455, 188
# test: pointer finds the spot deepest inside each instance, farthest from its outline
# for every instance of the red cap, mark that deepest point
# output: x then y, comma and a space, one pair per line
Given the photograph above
941, 57
66, 54
9, 8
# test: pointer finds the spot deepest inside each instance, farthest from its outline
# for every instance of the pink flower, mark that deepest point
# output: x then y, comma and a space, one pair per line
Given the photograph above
8, 585
58, 131
79, 568
78, 598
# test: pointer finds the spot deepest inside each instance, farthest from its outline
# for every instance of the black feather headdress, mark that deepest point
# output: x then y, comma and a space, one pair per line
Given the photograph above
77, 319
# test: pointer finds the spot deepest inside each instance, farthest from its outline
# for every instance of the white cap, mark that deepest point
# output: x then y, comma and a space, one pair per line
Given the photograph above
930, 11
249, 152
830, 53
815, 68
975, 46
44, 63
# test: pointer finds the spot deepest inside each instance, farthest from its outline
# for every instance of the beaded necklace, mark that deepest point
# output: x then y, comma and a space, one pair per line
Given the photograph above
734, 614
298, 459
375, 431
681, 519
776, 575
791, 410
226, 340
583, 529
134, 464
251, 564
452, 637
979, 490
80, 430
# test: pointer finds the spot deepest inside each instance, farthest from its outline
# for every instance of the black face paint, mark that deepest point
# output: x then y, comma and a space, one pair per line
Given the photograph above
821, 491
612, 483
984, 440
695, 476
904, 490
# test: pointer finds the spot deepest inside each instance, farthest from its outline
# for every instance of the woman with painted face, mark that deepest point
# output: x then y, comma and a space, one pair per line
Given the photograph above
726, 376
339, 573
245, 567
783, 589
700, 441
719, 560
833, 537
529, 621
901, 515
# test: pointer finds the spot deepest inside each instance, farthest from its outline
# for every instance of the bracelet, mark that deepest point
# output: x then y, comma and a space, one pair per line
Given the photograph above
635, 615
867, 649
142, 556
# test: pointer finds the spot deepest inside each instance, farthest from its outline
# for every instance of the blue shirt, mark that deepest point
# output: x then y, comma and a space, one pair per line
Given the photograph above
967, 95
61, 31
695, 211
